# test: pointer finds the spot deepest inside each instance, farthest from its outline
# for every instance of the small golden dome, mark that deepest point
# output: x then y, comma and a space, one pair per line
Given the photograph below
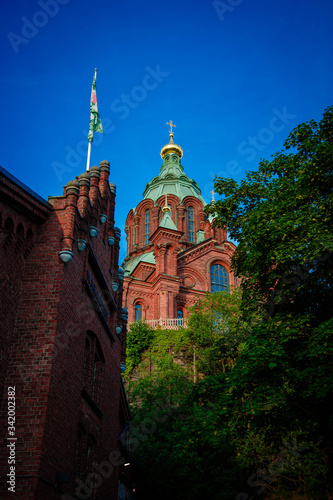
171, 147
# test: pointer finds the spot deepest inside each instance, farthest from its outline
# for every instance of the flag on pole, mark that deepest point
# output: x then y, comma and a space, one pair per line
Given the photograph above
95, 124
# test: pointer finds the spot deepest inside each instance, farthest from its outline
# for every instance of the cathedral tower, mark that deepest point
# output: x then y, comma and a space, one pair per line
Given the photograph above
174, 255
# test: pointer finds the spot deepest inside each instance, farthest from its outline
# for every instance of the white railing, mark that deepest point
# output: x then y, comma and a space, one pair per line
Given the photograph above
166, 323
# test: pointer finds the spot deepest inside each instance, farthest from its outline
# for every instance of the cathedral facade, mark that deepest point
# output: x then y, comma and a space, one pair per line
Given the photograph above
174, 254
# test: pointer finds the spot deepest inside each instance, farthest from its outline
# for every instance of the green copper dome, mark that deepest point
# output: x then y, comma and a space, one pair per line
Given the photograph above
172, 179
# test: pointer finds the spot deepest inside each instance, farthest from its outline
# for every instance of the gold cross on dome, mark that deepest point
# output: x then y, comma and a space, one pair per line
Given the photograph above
212, 193
171, 125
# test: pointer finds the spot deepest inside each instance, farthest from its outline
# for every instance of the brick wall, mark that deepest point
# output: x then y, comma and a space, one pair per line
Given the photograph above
47, 308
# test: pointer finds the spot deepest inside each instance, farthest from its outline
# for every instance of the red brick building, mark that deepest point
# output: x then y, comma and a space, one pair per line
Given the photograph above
63, 341
174, 255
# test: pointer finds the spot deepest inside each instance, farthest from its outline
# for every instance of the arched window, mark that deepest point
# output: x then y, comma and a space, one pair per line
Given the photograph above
147, 226
190, 215
218, 278
138, 312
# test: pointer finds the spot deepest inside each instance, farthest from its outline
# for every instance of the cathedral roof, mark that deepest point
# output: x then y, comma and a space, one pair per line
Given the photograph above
167, 222
132, 263
172, 179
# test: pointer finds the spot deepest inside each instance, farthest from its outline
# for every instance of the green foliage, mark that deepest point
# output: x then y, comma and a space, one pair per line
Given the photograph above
179, 456
165, 340
139, 339
168, 381
218, 331
282, 217
216, 314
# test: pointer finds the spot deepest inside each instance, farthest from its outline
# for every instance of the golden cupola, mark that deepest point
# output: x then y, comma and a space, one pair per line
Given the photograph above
172, 179
171, 147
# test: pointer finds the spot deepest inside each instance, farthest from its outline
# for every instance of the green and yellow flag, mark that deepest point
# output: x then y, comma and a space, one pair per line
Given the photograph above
95, 124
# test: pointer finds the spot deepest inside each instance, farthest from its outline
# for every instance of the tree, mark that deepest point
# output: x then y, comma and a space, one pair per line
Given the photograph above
282, 383
174, 438
217, 330
139, 338
282, 217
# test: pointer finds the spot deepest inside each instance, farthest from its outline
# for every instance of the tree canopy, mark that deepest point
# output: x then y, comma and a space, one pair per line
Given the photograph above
282, 217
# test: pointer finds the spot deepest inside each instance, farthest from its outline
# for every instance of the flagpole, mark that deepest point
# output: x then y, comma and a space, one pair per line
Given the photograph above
88, 157
95, 124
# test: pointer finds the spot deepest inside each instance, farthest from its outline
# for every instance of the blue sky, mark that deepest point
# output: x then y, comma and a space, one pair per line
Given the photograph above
235, 76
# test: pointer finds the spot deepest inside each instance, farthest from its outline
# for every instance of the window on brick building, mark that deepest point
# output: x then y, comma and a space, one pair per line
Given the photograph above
138, 312
180, 316
147, 226
93, 372
190, 216
85, 453
218, 278
91, 451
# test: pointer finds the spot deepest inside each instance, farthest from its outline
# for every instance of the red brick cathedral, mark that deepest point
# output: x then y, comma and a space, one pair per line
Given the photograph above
174, 255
